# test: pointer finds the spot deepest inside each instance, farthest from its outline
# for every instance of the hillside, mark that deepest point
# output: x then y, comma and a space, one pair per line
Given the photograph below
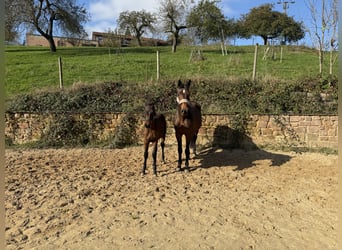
34, 68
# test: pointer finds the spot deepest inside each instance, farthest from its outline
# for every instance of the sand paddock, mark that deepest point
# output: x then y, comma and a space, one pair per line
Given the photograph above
96, 199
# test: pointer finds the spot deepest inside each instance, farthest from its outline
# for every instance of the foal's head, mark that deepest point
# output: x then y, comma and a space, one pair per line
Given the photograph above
183, 97
150, 112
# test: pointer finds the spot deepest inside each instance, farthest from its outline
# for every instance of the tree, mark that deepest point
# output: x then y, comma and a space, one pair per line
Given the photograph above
13, 18
291, 31
209, 23
324, 28
46, 16
173, 16
262, 21
333, 38
136, 22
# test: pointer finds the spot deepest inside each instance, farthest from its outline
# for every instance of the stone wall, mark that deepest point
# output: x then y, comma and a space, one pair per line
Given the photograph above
261, 130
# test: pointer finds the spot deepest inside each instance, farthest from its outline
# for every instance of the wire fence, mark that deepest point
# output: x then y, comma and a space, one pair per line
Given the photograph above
149, 65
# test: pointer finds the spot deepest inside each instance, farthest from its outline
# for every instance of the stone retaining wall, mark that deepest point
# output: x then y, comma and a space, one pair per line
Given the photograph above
261, 130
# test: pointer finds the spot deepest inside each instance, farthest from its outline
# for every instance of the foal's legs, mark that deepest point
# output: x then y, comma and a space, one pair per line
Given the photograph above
146, 144
162, 145
179, 143
154, 156
193, 144
187, 153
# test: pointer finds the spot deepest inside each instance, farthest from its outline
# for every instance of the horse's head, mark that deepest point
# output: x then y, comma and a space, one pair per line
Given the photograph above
150, 112
183, 97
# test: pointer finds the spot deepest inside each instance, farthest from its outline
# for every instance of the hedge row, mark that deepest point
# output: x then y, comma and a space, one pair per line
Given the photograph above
305, 96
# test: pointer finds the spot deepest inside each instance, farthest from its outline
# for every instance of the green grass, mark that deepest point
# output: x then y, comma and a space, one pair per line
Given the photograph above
35, 68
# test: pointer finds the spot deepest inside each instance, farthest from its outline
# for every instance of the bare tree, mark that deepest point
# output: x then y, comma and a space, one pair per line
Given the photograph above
46, 16
173, 15
334, 38
324, 29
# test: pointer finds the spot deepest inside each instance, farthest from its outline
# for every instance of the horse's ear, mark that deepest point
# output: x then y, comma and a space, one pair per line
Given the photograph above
180, 84
149, 102
187, 84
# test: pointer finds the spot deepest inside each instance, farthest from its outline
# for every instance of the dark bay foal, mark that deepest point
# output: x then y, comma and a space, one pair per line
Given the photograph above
155, 129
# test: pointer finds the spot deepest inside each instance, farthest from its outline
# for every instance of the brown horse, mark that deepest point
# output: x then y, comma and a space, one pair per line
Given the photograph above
188, 121
155, 129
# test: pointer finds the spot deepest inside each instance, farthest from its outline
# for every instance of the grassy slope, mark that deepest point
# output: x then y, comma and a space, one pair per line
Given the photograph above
31, 68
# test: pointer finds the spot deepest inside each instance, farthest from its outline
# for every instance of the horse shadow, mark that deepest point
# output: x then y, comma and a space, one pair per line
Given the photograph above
233, 148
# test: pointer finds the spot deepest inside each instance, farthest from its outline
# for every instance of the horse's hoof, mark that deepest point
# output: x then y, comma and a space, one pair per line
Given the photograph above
179, 169
142, 174
187, 170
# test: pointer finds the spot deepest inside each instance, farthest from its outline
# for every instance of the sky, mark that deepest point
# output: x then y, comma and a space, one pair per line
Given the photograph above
104, 13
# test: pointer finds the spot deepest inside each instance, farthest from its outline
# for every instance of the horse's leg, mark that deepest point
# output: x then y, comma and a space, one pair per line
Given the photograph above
154, 156
146, 143
162, 145
179, 143
187, 153
193, 144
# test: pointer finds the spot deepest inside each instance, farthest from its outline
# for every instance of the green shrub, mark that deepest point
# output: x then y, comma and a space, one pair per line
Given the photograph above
232, 96
125, 134
64, 130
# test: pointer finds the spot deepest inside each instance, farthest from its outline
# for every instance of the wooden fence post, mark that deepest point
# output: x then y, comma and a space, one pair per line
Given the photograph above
255, 61
281, 54
60, 72
158, 65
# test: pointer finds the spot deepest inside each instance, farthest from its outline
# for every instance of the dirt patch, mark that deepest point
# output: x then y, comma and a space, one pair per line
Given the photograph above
96, 199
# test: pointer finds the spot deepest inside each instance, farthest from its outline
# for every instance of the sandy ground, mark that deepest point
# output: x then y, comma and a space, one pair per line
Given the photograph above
96, 199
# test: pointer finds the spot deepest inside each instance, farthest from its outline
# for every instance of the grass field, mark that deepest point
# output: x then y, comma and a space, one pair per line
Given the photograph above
36, 68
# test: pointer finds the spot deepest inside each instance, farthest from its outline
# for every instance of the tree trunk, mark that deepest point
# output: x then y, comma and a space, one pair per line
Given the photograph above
331, 63
174, 42
223, 45
333, 57
52, 44
174, 46
139, 41
320, 58
50, 36
321, 46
